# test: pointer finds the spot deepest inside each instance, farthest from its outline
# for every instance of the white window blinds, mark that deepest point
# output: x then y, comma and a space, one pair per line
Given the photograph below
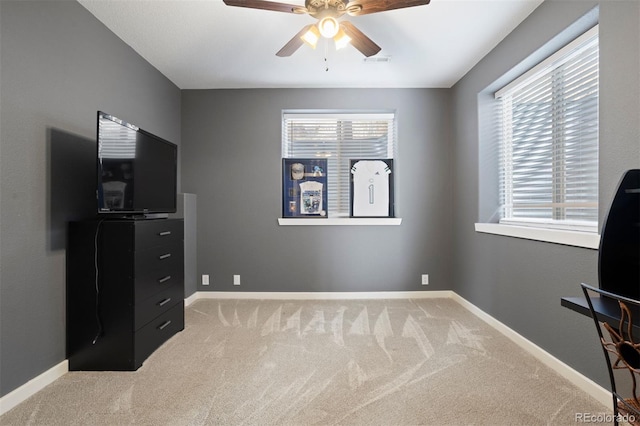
549, 141
338, 137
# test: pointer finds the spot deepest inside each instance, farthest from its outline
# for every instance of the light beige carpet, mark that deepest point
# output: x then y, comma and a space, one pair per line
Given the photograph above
385, 362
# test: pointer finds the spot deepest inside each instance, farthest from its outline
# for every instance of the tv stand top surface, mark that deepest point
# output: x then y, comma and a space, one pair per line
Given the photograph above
141, 216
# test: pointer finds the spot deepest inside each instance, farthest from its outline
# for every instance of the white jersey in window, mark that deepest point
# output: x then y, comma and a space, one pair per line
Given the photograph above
310, 197
370, 188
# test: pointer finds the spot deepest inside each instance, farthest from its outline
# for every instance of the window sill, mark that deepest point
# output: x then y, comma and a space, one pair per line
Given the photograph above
339, 221
570, 238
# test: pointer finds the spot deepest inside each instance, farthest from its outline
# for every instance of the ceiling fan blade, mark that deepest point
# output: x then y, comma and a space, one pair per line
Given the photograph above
265, 5
360, 41
293, 44
365, 7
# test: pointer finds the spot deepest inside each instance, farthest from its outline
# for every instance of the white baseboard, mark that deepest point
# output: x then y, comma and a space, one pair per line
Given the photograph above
584, 383
333, 295
33, 386
189, 300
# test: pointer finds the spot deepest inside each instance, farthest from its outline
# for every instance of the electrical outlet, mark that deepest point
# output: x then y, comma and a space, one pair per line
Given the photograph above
425, 279
236, 280
205, 279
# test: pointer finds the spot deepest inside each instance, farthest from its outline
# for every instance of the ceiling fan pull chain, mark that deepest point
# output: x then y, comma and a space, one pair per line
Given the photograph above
326, 54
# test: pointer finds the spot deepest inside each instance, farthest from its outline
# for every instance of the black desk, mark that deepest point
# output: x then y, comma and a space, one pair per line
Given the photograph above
606, 309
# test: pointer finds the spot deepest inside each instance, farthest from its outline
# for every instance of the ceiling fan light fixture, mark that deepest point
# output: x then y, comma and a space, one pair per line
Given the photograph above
327, 13
311, 37
329, 27
341, 39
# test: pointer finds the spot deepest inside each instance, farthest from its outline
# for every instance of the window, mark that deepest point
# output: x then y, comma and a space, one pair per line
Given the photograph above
549, 141
338, 137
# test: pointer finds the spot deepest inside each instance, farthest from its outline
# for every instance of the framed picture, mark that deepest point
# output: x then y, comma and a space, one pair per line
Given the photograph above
304, 187
371, 187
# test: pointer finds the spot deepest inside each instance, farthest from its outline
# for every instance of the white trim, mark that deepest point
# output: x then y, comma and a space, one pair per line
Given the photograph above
588, 240
339, 221
323, 295
33, 386
584, 383
189, 300
563, 225
333, 115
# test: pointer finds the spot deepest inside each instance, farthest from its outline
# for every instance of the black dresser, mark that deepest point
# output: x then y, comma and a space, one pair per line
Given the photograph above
125, 290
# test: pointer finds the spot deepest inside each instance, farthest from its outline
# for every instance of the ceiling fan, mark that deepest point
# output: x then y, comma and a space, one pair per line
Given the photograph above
327, 12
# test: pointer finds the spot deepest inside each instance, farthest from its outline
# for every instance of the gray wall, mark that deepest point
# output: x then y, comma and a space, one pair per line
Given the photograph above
520, 282
59, 66
231, 157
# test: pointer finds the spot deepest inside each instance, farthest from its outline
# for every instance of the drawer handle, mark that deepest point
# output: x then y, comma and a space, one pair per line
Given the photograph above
164, 325
165, 233
165, 256
165, 279
164, 302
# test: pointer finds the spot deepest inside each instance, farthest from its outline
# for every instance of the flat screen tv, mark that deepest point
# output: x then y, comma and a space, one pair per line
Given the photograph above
137, 171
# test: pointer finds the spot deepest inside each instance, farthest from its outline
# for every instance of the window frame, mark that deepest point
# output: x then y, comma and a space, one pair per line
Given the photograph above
341, 216
558, 220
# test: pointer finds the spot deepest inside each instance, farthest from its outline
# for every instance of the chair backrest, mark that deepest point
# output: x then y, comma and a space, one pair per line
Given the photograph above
619, 252
617, 320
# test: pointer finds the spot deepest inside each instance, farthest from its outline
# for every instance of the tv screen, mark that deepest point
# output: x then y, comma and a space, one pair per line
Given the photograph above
137, 171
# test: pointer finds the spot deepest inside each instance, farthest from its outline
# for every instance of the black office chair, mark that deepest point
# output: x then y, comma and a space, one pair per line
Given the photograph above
621, 351
619, 251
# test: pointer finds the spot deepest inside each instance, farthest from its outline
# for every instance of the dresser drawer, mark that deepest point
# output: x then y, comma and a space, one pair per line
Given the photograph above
153, 335
151, 307
151, 233
157, 269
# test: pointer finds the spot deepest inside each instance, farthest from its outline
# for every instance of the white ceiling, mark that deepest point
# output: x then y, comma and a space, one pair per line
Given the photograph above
204, 44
